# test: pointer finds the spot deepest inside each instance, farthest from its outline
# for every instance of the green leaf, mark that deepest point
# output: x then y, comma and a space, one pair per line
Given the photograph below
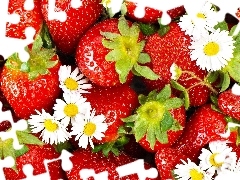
148, 29
110, 44
113, 55
146, 72
164, 94
131, 118
142, 98
123, 9
151, 136
25, 67
51, 64
144, 58
21, 151
109, 35
225, 82
173, 103
212, 76
24, 137
62, 146
233, 68
222, 26
46, 37
134, 30
179, 87
37, 44
107, 148
123, 68
8, 150
140, 129
176, 126
163, 137
214, 99
123, 26
163, 28
166, 122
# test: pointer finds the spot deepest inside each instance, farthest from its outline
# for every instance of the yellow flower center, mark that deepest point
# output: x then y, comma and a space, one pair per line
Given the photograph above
213, 161
107, 2
201, 15
71, 84
50, 125
89, 129
71, 110
211, 48
196, 175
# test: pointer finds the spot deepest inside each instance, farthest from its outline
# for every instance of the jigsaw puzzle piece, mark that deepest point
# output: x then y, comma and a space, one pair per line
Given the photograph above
7, 162
28, 171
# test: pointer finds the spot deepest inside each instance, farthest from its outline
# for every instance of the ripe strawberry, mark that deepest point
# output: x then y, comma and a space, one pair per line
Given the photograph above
152, 15
204, 126
159, 120
28, 18
173, 48
229, 103
33, 85
42, 153
166, 159
67, 34
85, 159
114, 103
110, 52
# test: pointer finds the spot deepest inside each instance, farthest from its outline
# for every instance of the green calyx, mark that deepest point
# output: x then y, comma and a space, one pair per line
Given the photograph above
153, 117
126, 51
24, 137
39, 62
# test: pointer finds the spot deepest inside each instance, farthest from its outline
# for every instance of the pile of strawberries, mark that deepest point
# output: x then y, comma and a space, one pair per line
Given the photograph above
128, 61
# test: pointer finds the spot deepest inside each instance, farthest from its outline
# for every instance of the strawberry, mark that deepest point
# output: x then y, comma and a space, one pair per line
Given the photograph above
67, 34
229, 103
205, 125
152, 15
172, 48
113, 105
110, 52
238, 13
159, 120
85, 159
29, 157
28, 18
166, 159
33, 85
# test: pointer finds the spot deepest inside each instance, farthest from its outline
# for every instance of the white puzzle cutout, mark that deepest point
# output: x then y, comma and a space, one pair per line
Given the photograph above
7, 162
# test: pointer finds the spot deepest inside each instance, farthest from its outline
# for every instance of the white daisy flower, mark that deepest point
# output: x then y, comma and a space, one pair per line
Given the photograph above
218, 157
73, 106
213, 51
232, 173
52, 131
175, 71
72, 81
189, 170
89, 127
199, 23
113, 5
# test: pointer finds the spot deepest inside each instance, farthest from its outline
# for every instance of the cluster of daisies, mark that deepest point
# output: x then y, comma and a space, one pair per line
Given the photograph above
218, 162
211, 47
73, 115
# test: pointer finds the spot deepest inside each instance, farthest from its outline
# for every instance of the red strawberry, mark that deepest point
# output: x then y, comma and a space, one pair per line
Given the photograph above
173, 48
28, 18
166, 159
114, 103
159, 120
67, 34
152, 15
229, 103
32, 86
85, 159
42, 153
110, 52
238, 13
204, 126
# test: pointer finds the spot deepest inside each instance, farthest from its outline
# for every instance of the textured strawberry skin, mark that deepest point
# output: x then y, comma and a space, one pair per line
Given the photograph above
229, 103
115, 103
32, 18
67, 34
173, 48
36, 156
96, 68
152, 15
178, 114
166, 159
26, 96
85, 159
204, 126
